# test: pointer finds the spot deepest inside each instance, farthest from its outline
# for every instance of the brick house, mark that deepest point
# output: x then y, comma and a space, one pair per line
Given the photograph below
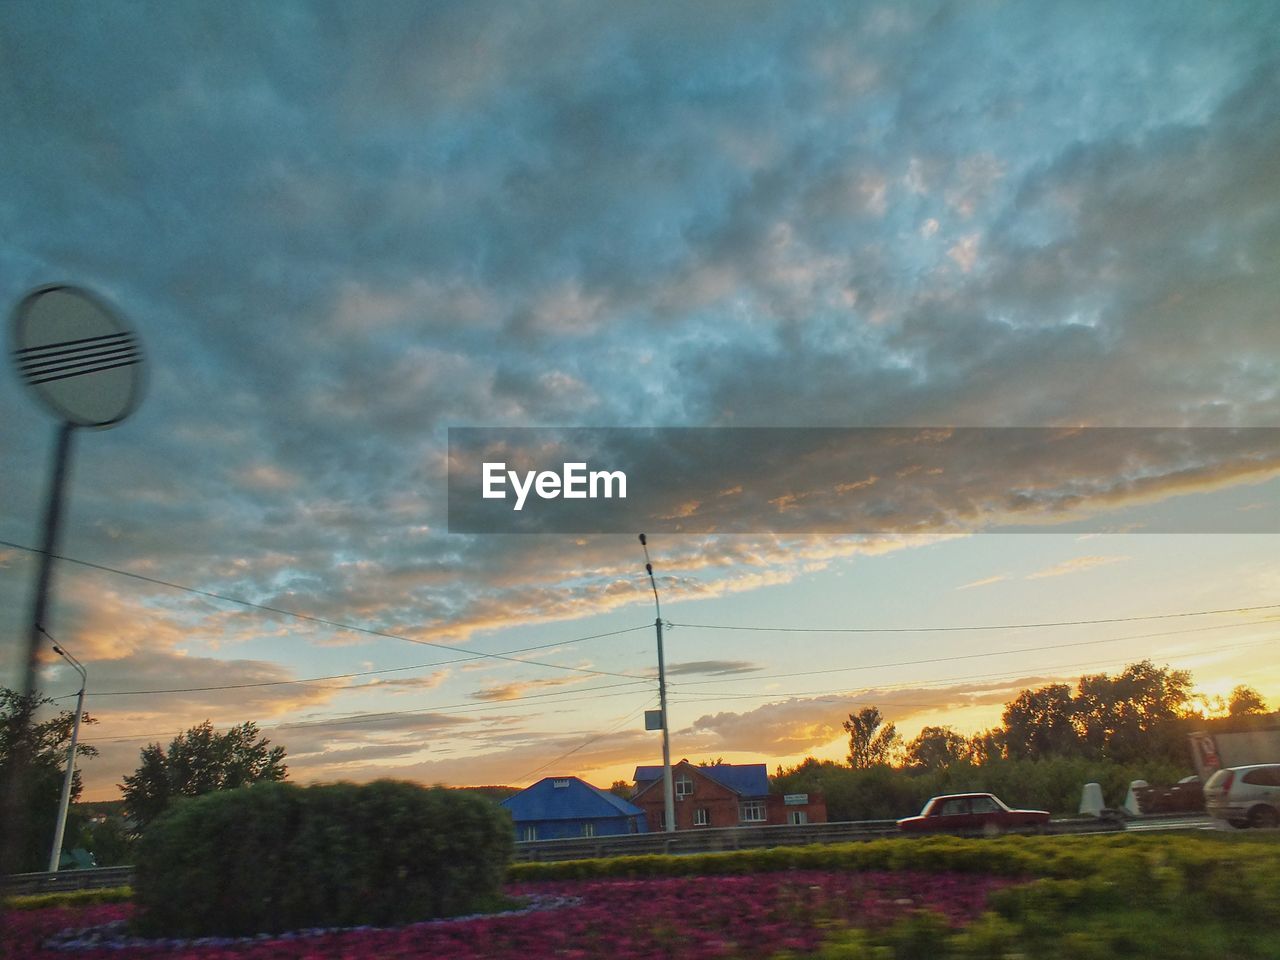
723, 795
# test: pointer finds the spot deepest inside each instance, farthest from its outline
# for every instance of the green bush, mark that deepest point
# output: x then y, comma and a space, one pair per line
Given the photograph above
274, 857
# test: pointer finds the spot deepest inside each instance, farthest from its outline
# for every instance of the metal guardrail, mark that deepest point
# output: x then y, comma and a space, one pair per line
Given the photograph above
92, 878
703, 840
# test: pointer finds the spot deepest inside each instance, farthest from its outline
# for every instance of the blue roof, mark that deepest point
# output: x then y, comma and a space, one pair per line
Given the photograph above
744, 779
575, 799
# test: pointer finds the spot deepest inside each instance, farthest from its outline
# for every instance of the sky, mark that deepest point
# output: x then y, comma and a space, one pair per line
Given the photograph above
341, 230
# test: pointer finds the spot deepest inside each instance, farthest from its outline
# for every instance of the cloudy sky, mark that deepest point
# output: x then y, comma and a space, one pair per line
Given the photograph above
340, 230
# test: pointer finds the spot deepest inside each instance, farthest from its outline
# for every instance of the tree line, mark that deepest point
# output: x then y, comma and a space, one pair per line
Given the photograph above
199, 761
1140, 714
1109, 729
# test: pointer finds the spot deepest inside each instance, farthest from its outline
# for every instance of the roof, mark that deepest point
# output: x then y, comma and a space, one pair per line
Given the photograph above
744, 779
574, 800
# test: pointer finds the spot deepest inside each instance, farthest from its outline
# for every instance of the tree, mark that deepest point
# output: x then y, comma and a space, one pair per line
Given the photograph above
46, 743
1245, 702
197, 762
621, 788
988, 747
937, 748
872, 741
1040, 723
1134, 714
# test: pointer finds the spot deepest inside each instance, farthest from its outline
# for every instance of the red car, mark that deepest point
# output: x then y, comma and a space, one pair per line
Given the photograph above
973, 813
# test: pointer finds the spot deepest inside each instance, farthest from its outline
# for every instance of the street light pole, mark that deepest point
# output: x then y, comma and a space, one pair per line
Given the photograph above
55, 854
668, 793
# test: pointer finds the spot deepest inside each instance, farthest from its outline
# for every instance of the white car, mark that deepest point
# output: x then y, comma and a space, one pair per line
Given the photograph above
1245, 796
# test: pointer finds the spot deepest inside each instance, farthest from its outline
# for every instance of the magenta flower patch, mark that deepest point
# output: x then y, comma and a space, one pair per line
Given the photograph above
750, 916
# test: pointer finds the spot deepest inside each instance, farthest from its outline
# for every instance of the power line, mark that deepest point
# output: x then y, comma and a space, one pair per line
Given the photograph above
840, 695
636, 713
306, 616
818, 696
995, 626
367, 717
391, 714
585, 743
971, 656
370, 673
571, 696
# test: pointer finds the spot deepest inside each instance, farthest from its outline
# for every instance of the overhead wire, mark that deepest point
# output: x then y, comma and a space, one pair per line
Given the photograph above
978, 627
586, 743
510, 655
841, 694
469, 707
973, 656
337, 624
370, 673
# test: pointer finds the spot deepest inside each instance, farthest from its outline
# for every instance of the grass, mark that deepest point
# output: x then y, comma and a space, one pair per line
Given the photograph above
71, 898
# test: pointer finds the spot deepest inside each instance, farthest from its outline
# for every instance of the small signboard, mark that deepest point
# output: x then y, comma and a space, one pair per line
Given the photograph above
77, 355
653, 719
795, 799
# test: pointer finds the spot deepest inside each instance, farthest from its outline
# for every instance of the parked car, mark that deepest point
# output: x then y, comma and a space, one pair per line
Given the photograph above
973, 813
1185, 796
1245, 796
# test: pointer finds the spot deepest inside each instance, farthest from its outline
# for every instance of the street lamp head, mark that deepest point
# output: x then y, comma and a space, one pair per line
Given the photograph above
643, 541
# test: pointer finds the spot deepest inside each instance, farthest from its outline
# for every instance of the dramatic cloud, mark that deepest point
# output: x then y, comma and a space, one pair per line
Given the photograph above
801, 724
341, 231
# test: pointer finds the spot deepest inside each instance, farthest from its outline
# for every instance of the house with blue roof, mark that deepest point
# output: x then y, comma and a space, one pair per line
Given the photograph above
556, 808
722, 795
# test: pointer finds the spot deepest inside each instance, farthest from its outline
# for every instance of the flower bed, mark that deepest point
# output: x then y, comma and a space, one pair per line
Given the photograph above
752, 917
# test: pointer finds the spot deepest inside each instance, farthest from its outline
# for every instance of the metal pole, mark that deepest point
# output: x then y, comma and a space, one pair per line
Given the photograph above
15, 800
668, 788
44, 576
668, 792
55, 854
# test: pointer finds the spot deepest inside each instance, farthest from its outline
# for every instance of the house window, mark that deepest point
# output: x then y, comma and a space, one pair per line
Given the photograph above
797, 817
684, 786
700, 818
588, 829
751, 811
528, 833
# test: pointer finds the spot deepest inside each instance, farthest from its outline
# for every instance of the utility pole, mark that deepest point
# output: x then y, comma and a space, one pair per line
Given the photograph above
55, 855
668, 791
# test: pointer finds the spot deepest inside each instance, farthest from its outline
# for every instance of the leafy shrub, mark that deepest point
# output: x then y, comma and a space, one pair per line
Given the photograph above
275, 857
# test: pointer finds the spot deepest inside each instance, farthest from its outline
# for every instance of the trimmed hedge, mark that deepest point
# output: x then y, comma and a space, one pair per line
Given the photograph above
274, 857
1132, 861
